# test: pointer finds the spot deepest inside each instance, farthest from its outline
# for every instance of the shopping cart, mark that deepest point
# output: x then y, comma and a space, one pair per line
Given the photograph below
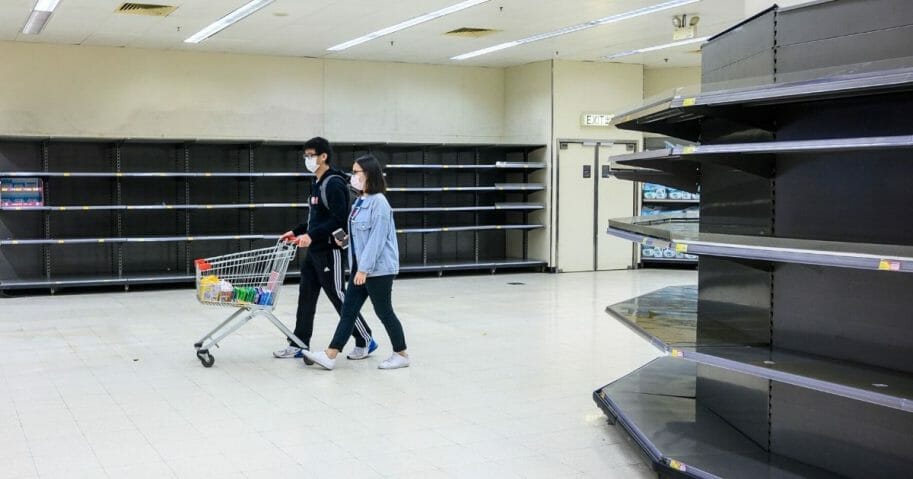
249, 281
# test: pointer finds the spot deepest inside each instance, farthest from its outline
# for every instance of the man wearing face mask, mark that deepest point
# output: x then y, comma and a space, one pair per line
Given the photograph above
322, 266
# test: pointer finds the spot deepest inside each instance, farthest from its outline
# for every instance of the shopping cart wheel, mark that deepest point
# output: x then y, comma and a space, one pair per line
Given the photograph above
206, 358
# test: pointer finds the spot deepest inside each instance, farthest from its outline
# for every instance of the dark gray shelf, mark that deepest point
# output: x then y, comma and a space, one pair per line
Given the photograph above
667, 318
147, 239
682, 182
665, 159
497, 187
679, 231
671, 202
225, 206
656, 405
76, 281
444, 229
162, 174
456, 209
680, 116
473, 265
506, 165
654, 259
172, 239
496, 207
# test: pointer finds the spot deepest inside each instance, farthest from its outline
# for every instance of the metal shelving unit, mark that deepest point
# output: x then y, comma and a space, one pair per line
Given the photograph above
791, 357
138, 212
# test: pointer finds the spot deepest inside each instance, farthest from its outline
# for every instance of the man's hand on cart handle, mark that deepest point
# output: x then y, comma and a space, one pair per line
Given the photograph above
288, 236
304, 241
360, 278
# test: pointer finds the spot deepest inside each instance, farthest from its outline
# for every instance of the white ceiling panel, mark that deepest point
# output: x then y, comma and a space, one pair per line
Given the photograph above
306, 28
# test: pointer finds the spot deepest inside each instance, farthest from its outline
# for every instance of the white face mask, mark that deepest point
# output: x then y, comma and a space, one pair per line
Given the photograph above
357, 182
310, 162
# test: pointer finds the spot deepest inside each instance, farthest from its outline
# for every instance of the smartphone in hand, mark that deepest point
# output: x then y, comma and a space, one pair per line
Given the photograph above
341, 236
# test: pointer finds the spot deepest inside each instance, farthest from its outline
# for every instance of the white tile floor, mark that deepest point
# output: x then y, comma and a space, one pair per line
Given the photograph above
107, 385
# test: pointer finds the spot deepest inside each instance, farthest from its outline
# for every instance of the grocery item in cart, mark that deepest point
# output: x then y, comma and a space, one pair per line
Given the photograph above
227, 292
209, 288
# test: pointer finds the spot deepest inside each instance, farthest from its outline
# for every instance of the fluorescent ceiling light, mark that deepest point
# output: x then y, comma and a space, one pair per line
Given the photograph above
46, 5
576, 28
408, 23
656, 47
226, 21
39, 16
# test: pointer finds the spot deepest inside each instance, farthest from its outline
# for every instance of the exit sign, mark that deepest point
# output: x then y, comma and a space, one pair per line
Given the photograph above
596, 119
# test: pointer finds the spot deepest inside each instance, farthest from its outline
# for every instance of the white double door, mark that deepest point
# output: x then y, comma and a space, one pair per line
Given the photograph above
587, 197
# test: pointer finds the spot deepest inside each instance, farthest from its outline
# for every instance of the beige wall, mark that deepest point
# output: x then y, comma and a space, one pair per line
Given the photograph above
659, 81
594, 87
61, 90
57, 90
399, 102
528, 120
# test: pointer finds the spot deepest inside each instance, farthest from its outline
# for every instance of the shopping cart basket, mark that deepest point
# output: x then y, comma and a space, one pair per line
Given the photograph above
249, 281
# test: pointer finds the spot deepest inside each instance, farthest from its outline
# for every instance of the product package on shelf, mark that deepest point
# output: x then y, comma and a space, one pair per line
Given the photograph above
659, 192
16, 192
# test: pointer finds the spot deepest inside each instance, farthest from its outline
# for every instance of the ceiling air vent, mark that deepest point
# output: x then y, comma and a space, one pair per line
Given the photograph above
147, 9
470, 32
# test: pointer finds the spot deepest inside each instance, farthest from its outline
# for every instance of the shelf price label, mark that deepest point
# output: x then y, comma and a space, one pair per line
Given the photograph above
678, 466
690, 101
888, 265
676, 353
689, 150
681, 248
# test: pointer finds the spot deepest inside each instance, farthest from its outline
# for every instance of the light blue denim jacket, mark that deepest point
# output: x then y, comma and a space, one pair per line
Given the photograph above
373, 237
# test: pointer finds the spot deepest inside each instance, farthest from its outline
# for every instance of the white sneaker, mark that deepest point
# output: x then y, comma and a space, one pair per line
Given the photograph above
288, 353
320, 358
395, 361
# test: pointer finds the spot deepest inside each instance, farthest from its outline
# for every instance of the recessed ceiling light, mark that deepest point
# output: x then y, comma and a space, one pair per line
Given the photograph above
576, 28
408, 23
656, 47
228, 20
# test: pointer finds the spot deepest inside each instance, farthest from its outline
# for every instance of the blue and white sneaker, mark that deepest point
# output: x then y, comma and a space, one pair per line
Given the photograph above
363, 352
288, 353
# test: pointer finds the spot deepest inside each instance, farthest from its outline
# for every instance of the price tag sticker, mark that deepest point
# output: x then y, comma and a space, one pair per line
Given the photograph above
689, 149
678, 466
681, 248
689, 101
888, 265
677, 353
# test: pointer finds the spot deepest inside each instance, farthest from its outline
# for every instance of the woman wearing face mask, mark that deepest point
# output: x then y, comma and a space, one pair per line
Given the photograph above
374, 257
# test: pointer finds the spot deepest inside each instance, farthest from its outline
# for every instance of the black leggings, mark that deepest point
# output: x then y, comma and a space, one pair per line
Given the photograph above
379, 289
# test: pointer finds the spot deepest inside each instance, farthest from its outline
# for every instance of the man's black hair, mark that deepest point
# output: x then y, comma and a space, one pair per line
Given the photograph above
320, 146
